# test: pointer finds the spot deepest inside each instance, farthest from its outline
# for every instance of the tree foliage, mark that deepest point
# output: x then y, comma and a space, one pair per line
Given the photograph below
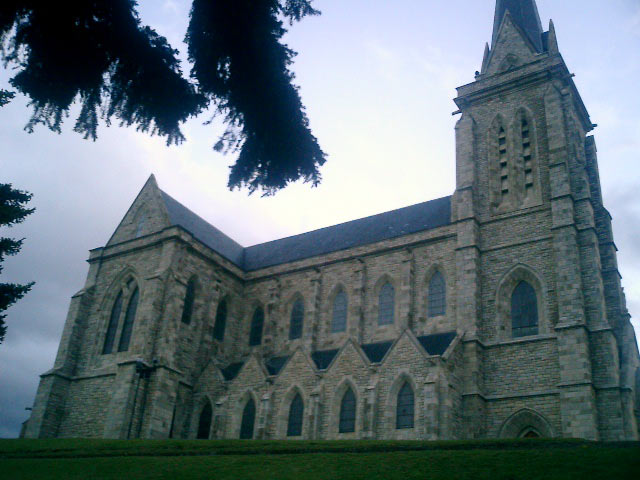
12, 212
98, 53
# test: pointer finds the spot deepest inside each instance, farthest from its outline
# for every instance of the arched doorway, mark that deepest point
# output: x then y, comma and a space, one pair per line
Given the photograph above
204, 424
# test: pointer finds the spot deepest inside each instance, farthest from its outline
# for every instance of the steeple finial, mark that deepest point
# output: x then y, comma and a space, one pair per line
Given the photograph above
525, 14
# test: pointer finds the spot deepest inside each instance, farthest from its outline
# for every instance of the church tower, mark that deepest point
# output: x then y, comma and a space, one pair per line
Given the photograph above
529, 214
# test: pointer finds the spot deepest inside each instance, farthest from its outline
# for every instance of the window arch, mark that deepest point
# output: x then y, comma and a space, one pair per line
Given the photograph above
204, 424
248, 420
524, 310
436, 296
129, 318
347, 422
405, 407
297, 319
141, 223
296, 412
257, 322
189, 299
386, 304
112, 328
339, 317
221, 321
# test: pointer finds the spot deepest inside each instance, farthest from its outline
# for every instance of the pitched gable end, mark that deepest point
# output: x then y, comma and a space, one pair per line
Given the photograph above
511, 48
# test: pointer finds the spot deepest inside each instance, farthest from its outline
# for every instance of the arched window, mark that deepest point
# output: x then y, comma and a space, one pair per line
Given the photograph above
142, 222
386, 304
257, 322
339, 319
204, 424
437, 297
347, 412
296, 411
297, 320
248, 420
504, 164
127, 327
221, 321
189, 298
524, 311
110, 337
404, 407
526, 157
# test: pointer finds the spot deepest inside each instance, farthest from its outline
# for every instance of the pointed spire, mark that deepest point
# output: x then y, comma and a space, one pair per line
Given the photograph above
552, 41
525, 14
485, 58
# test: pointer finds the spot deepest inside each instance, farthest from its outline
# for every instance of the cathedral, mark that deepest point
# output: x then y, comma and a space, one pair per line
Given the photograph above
496, 312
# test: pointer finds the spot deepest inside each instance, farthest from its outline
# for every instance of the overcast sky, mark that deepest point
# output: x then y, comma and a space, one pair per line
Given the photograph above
377, 78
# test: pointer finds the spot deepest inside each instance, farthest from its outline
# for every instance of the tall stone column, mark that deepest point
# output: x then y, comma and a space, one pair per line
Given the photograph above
312, 332
407, 290
577, 396
357, 301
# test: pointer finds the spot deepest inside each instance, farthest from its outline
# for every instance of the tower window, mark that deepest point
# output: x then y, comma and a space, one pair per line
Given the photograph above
257, 322
405, 407
347, 412
221, 321
113, 325
189, 298
504, 164
386, 304
296, 410
297, 320
526, 156
339, 319
524, 310
437, 296
127, 327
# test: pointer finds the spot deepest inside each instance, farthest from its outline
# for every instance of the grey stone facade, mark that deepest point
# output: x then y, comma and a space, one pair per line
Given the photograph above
527, 208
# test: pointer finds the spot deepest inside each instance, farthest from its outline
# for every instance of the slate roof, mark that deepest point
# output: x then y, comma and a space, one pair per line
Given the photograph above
231, 371
525, 15
202, 230
438, 343
275, 364
396, 223
323, 358
376, 351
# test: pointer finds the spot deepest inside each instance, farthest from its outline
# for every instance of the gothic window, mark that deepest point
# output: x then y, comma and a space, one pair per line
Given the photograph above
339, 319
248, 420
524, 311
204, 424
189, 298
296, 411
257, 322
405, 407
348, 412
142, 221
527, 159
127, 327
297, 320
437, 296
386, 304
221, 321
504, 164
113, 325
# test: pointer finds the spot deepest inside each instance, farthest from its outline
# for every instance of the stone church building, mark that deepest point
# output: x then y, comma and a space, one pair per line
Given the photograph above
495, 312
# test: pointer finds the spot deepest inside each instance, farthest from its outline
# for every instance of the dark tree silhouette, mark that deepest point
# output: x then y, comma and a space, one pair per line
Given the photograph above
12, 211
98, 53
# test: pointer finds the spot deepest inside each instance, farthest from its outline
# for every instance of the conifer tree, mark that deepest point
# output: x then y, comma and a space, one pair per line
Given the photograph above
98, 53
12, 212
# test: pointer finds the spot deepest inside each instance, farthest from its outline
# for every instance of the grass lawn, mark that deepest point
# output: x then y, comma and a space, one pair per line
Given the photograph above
495, 460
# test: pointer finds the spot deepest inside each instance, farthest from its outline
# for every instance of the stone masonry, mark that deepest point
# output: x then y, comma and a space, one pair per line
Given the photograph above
179, 331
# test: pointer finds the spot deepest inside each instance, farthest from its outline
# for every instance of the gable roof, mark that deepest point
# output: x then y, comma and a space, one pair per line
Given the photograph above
383, 226
231, 371
437, 343
323, 358
376, 351
275, 364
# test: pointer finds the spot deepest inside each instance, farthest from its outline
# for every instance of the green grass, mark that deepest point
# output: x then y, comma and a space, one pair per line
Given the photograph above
370, 460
